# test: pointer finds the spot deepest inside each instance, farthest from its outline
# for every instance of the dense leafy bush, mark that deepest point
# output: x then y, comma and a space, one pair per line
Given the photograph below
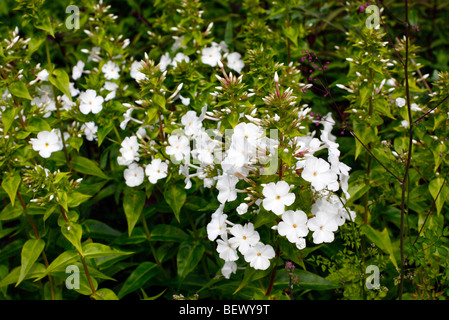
223, 150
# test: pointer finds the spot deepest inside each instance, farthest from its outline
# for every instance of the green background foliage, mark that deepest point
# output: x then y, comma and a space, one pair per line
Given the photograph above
151, 243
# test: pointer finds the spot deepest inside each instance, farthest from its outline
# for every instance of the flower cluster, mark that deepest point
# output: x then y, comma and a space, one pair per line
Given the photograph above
243, 159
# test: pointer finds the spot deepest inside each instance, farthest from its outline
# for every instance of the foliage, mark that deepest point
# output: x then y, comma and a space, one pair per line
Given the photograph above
118, 169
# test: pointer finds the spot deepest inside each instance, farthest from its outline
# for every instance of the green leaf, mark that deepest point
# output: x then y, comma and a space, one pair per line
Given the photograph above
146, 297
73, 232
31, 251
133, 203
75, 198
46, 25
87, 166
97, 229
62, 261
9, 212
247, 276
61, 80
36, 125
175, 195
380, 239
85, 288
36, 271
189, 255
292, 34
165, 232
95, 250
311, 281
228, 31
104, 294
144, 272
11, 185
434, 187
8, 117
20, 90
159, 100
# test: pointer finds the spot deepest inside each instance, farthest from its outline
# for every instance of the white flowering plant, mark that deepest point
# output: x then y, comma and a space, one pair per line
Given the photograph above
189, 149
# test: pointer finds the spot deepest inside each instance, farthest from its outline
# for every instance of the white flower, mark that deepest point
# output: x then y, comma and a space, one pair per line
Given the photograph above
90, 130
135, 73
127, 116
204, 151
66, 103
249, 134
235, 61
94, 54
404, 123
46, 103
210, 56
165, 61
259, 256
179, 58
192, 124
217, 226
112, 87
179, 146
400, 102
156, 170
184, 101
90, 102
133, 175
415, 107
129, 151
46, 143
111, 70
73, 91
242, 208
228, 268
43, 75
333, 206
277, 196
77, 70
293, 225
245, 237
323, 226
227, 249
317, 171
226, 187
391, 82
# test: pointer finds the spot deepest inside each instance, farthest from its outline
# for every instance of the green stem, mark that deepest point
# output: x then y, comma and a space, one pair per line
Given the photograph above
409, 155
86, 270
50, 66
36, 233
153, 250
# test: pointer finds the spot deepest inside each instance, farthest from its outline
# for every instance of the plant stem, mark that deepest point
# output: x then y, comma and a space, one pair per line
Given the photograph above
86, 270
153, 251
409, 155
36, 233
273, 273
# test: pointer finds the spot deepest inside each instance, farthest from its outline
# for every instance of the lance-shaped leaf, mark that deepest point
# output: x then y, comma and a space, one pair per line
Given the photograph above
31, 251
11, 185
133, 203
175, 196
144, 272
